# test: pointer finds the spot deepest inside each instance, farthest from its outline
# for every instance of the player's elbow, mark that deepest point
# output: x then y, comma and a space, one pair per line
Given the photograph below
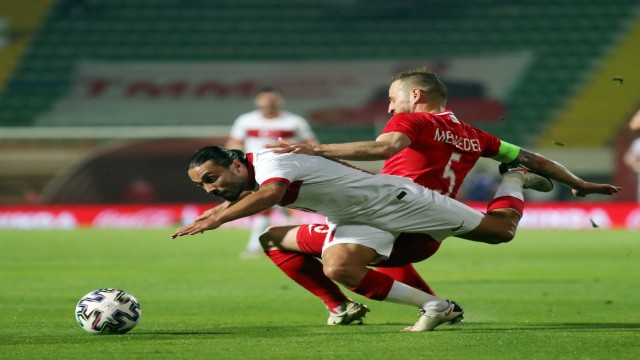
386, 151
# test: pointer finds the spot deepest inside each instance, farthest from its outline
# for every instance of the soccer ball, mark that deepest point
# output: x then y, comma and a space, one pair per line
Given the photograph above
108, 311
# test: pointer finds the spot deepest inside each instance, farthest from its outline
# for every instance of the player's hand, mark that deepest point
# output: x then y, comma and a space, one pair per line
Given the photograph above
284, 147
197, 227
214, 211
593, 188
205, 221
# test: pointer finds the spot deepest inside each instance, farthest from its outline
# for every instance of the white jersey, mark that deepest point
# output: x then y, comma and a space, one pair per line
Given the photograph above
634, 149
350, 196
256, 130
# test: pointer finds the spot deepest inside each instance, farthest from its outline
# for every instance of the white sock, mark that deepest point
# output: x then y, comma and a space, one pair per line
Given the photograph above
404, 294
511, 185
259, 224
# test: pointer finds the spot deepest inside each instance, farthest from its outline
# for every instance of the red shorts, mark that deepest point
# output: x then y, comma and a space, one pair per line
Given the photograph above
407, 249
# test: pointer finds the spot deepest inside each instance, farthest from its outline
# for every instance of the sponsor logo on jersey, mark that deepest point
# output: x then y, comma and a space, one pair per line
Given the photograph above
458, 227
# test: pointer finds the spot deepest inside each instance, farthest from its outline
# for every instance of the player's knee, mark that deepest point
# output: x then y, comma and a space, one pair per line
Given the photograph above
270, 238
339, 273
504, 236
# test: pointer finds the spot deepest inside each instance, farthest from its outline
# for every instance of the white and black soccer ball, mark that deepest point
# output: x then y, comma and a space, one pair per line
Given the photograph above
108, 311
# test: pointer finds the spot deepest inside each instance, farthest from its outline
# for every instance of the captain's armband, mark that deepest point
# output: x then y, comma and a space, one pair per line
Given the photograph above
507, 152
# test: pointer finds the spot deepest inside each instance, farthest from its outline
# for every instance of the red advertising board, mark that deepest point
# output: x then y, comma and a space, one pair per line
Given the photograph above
544, 215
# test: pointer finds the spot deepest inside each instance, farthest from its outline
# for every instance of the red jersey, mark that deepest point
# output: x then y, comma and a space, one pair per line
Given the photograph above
442, 152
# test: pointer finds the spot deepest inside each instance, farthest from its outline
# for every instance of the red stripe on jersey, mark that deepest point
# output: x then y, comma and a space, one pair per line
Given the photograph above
293, 190
266, 133
251, 173
286, 181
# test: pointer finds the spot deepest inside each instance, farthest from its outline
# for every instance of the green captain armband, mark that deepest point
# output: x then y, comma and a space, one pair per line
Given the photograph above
507, 153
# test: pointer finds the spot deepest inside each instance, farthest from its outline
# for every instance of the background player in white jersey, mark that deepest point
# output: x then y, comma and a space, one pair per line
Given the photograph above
252, 130
634, 123
365, 213
632, 159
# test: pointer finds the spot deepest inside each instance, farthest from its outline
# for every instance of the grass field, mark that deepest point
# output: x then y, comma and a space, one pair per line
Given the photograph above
546, 295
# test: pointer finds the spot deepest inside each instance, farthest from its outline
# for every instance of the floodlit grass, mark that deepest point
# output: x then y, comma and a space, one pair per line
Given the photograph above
546, 295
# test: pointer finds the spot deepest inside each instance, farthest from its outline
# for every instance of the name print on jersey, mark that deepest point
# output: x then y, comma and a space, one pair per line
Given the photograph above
459, 142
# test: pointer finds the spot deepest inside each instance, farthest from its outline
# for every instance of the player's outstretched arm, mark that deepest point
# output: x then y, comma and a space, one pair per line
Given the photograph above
556, 171
201, 223
250, 204
214, 211
384, 147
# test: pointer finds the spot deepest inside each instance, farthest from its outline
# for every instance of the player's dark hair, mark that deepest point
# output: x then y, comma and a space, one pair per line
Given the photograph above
270, 89
425, 80
219, 155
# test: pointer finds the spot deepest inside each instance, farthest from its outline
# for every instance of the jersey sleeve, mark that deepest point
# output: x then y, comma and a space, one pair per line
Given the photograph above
407, 124
238, 130
276, 167
635, 147
304, 130
491, 143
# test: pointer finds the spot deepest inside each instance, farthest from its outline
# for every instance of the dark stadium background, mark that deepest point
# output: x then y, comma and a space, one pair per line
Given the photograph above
102, 102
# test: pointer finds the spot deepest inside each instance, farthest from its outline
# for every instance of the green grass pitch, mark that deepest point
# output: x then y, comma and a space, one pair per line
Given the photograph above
546, 295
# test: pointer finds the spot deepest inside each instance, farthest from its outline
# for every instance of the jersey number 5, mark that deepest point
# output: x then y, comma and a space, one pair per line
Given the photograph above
449, 174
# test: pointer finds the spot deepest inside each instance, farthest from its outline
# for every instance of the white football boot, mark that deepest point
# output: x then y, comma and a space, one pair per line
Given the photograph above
353, 311
430, 319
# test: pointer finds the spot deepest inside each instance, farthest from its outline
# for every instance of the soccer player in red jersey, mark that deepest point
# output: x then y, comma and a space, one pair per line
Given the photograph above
422, 141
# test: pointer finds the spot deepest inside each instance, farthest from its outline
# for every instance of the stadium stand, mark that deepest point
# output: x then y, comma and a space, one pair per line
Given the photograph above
567, 38
589, 119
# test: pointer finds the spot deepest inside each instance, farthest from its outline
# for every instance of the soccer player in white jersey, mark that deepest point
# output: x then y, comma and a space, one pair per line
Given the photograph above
365, 212
632, 159
252, 130
634, 123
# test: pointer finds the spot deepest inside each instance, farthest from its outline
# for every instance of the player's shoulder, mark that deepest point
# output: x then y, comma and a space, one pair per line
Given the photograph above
446, 115
269, 154
292, 116
410, 118
248, 116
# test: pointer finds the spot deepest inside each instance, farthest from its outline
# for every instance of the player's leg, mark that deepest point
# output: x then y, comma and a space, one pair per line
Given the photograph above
407, 249
294, 249
347, 253
407, 274
505, 210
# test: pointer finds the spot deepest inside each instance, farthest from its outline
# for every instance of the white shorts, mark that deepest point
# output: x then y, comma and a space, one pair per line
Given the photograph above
379, 240
422, 211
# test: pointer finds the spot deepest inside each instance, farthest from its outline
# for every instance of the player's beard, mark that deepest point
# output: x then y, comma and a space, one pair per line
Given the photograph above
234, 190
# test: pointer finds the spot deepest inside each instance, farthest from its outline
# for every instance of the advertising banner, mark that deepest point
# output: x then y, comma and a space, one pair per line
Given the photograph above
537, 216
325, 92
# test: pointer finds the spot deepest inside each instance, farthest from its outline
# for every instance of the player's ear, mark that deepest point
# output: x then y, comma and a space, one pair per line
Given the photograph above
236, 166
416, 94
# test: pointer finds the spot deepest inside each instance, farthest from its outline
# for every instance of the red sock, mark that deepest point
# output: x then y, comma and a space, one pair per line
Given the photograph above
375, 285
407, 274
307, 271
508, 202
